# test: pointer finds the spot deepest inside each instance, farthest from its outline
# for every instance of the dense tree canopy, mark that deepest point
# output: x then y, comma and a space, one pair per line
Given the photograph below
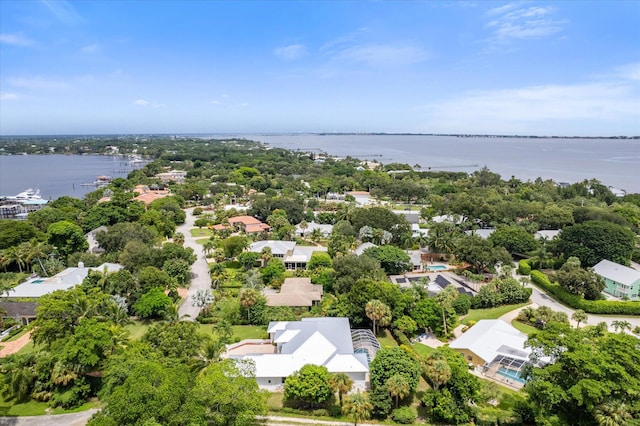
594, 241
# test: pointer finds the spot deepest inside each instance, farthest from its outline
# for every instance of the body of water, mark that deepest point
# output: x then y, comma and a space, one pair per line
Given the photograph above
614, 162
57, 175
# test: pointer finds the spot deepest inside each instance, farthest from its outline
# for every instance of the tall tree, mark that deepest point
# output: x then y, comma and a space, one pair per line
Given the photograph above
445, 300
398, 386
376, 311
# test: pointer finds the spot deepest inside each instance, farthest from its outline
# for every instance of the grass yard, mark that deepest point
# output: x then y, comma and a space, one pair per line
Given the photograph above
387, 340
27, 349
524, 328
490, 313
200, 232
240, 332
201, 241
37, 408
423, 350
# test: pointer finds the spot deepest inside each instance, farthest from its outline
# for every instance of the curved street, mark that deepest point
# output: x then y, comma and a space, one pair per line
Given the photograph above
200, 279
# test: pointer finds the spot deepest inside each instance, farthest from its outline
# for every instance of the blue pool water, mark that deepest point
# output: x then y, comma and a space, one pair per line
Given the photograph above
436, 268
510, 373
38, 281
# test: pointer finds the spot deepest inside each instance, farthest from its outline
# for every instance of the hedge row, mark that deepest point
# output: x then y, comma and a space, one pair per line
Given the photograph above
606, 307
523, 267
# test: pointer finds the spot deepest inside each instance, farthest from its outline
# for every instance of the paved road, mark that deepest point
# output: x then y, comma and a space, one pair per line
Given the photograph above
542, 299
74, 419
200, 279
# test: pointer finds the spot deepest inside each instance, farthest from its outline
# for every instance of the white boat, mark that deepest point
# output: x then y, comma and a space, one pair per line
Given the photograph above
27, 195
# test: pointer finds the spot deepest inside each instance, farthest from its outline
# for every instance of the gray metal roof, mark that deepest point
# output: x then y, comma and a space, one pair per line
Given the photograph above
616, 272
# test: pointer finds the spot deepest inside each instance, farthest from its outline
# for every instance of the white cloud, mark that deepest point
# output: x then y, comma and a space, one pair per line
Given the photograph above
90, 48
63, 11
630, 72
612, 104
15, 40
38, 83
290, 52
513, 22
376, 55
142, 102
8, 96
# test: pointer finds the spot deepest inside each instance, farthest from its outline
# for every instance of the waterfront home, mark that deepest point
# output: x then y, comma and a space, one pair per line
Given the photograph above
620, 281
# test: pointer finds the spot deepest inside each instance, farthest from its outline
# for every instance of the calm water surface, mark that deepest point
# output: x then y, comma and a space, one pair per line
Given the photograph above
57, 175
614, 162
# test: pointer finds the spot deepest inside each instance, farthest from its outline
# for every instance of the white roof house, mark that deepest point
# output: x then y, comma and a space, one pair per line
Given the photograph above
362, 247
620, 281
325, 229
547, 234
70, 277
482, 233
498, 348
293, 256
319, 341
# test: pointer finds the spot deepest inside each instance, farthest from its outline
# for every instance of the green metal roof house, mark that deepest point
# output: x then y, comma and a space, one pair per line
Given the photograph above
621, 281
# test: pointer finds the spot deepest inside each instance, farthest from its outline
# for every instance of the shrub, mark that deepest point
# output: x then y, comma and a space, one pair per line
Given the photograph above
523, 267
197, 211
404, 415
610, 307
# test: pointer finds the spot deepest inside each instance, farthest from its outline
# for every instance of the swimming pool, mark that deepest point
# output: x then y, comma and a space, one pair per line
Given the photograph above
436, 268
511, 374
38, 281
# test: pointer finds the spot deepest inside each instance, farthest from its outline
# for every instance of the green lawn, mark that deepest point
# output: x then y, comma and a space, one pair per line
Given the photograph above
38, 408
387, 340
240, 332
490, 313
27, 349
201, 241
17, 336
524, 328
200, 232
423, 350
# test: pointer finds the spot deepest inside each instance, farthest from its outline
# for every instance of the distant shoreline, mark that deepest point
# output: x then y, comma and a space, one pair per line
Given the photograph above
213, 135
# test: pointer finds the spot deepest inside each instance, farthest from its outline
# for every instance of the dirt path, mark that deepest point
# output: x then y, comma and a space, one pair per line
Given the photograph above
9, 348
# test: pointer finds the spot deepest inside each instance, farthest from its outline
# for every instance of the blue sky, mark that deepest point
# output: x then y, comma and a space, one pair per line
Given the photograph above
544, 68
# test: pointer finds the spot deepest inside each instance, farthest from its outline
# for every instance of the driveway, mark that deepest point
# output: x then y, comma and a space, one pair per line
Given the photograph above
73, 419
200, 279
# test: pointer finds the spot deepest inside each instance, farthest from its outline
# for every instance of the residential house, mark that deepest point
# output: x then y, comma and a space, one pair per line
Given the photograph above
70, 277
547, 234
620, 281
295, 292
177, 176
497, 349
327, 342
248, 224
325, 229
294, 256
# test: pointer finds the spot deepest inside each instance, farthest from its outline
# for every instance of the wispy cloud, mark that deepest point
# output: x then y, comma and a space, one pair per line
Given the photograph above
38, 83
382, 55
63, 11
90, 48
15, 40
8, 96
529, 109
146, 103
291, 52
512, 22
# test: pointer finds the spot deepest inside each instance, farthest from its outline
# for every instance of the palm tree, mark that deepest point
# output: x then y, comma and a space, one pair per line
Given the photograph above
38, 250
541, 256
304, 225
621, 326
437, 370
208, 247
579, 316
342, 383
358, 407
376, 310
445, 299
398, 386
19, 376
248, 298
266, 255
612, 413
13, 255
316, 235
178, 238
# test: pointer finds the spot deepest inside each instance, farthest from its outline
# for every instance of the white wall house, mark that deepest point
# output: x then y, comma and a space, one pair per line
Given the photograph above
320, 341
